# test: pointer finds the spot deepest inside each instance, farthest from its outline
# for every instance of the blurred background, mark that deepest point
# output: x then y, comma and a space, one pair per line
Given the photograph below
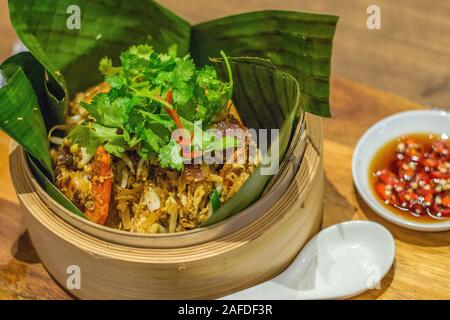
408, 56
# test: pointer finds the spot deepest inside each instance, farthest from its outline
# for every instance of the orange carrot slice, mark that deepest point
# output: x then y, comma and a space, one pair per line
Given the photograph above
101, 186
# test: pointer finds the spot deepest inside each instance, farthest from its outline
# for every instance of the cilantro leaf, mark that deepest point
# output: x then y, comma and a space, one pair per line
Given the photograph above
152, 139
134, 113
184, 69
107, 113
106, 67
142, 51
92, 137
172, 51
170, 156
117, 82
84, 137
161, 119
114, 143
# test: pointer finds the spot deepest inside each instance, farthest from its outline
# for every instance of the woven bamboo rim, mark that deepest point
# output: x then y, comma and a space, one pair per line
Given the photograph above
275, 190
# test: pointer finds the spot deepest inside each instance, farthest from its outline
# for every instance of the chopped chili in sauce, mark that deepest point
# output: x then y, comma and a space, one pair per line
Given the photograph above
411, 175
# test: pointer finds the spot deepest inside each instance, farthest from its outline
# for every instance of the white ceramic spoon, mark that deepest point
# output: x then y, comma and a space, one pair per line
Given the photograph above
341, 261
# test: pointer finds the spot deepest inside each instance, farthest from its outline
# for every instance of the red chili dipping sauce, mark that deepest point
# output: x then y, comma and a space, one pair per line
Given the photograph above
411, 176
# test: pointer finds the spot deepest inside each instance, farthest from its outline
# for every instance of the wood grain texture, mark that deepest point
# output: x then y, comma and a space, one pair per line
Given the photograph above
422, 259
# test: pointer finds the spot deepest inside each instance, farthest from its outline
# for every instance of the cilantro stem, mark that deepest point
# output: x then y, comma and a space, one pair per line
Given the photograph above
162, 101
153, 98
169, 107
227, 63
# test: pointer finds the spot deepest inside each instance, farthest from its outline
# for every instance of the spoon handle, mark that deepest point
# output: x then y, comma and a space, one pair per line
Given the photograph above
272, 290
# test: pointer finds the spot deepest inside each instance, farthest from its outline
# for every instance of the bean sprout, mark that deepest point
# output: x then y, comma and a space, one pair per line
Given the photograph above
73, 120
141, 170
128, 163
85, 157
124, 180
55, 139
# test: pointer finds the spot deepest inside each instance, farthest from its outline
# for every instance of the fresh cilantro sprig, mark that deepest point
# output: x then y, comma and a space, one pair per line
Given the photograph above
147, 90
93, 135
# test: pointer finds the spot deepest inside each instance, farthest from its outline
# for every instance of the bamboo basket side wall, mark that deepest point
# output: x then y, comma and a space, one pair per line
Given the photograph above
244, 258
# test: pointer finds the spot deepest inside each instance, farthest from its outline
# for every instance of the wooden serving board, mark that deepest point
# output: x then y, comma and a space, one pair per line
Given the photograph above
422, 259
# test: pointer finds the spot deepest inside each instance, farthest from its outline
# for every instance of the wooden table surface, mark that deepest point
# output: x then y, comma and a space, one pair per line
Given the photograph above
422, 259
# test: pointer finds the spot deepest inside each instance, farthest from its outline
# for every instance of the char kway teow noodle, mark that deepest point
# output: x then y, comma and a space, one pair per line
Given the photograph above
133, 151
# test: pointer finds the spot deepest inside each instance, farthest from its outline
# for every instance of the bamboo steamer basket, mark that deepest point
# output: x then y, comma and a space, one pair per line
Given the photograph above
239, 252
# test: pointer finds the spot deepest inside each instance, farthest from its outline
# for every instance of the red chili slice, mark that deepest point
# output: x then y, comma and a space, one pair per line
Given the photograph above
444, 206
443, 210
440, 171
440, 147
405, 173
413, 149
417, 209
387, 177
385, 194
430, 163
411, 182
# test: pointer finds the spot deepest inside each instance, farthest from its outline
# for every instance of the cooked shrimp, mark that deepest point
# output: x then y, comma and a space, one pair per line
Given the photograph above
101, 186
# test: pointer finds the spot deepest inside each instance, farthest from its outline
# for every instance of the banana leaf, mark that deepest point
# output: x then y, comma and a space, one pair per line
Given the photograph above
266, 98
20, 115
107, 27
297, 43
281, 63
42, 84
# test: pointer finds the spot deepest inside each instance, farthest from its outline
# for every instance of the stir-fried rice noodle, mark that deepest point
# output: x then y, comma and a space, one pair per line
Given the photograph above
145, 197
